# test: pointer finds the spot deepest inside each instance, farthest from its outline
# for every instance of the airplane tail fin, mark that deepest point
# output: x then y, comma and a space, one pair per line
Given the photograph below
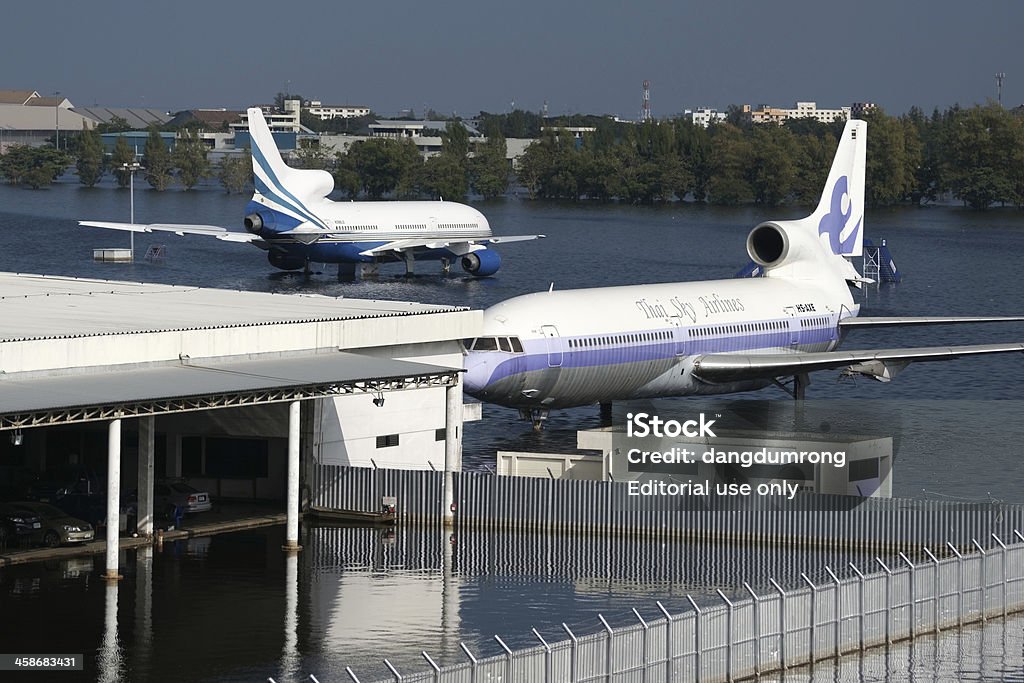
284, 188
839, 218
829, 236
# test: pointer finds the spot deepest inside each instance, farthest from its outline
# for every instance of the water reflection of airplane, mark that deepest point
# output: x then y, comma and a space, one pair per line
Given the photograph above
290, 217
559, 349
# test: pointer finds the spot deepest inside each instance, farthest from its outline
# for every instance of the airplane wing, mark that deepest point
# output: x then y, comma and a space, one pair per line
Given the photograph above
460, 247
880, 364
856, 322
177, 229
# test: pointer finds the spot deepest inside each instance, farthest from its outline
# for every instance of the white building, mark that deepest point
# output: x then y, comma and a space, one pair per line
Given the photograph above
327, 112
705, 117
802, 110
288, 121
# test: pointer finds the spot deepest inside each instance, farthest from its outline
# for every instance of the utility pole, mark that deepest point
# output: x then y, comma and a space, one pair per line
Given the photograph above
999, 87
56, 120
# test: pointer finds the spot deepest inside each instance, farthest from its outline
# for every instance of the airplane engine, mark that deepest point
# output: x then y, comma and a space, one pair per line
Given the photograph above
285, 261
775, 244
255, 222
481, 263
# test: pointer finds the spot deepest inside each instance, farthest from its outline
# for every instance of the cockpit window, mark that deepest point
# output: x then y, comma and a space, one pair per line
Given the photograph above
486, 344
504, 344
517, 346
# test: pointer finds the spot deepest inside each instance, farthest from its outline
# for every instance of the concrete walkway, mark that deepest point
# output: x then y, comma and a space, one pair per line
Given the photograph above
226, 517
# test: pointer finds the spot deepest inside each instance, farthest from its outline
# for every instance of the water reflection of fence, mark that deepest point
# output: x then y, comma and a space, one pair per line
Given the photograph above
771, 631
520, 503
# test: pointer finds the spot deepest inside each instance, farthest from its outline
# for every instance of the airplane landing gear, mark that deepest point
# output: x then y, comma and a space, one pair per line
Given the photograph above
797, 388
538, 416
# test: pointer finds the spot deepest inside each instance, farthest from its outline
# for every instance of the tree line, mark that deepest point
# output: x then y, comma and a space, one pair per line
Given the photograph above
975, 155
187, 163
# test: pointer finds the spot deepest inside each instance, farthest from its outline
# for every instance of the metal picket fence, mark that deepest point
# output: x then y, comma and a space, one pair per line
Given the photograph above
767, 631
484, 500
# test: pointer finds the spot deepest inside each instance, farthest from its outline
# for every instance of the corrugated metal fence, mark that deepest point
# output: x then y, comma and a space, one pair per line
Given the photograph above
767, 632
972, 569
484, 500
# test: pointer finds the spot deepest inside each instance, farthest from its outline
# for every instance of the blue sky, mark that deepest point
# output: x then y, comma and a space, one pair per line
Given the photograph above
461, 56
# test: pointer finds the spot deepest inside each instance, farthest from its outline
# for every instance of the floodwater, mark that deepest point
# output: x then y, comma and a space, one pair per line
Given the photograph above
232, 607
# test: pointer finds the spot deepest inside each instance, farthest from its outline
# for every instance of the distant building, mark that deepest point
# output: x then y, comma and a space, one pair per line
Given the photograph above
26, 118
136, 140
285, 126
802, 110
705, 117
426, 135
135, 118
858, 109
328, 112
287, 121
210, 119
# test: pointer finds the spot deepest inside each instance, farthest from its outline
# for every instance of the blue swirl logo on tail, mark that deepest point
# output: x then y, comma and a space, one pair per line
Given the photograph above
835, 220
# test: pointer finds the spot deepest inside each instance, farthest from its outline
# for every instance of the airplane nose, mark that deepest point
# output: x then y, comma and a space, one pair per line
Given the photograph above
478, 372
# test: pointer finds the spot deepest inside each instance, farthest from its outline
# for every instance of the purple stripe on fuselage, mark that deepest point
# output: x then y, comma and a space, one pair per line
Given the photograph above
536, 356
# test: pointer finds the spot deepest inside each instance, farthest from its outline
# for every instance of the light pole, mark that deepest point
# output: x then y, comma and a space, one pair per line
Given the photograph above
56, 120
132, 168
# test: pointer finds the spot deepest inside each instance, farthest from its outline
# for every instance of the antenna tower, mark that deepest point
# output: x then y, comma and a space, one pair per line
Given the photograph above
999, 87
645, 111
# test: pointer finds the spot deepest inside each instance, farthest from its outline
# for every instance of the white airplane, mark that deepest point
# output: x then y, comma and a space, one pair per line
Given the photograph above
560, 349
291, 218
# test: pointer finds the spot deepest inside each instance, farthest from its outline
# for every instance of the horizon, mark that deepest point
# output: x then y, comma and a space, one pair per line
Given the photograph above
577, 58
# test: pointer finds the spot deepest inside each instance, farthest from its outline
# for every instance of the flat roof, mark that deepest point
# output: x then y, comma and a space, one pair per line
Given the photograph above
34, 307
187, 386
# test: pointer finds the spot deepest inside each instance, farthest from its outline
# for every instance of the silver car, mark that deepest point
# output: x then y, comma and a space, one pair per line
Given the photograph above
185, 497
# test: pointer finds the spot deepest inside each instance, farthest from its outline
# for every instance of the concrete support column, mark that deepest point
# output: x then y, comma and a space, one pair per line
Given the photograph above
452, 447
113, 496
291, 536
147, 448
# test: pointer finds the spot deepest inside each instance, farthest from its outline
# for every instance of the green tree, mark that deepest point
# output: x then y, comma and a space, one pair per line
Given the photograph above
983, 149
489, 169
33, 166
535, 165
771, 168
235, 173
730, 158
189, 159
90, 163
346, 178
308, 156
694, 147
813, 162
122, 155
115, 125
385, 165
157, 161
443, 176
889, 171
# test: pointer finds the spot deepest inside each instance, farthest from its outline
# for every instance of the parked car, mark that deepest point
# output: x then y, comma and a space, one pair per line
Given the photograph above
58, 527
182, 495
170, 496
18, 525
67, 480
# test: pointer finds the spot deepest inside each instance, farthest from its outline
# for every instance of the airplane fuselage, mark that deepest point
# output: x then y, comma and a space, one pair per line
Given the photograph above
350, 231
561, 349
